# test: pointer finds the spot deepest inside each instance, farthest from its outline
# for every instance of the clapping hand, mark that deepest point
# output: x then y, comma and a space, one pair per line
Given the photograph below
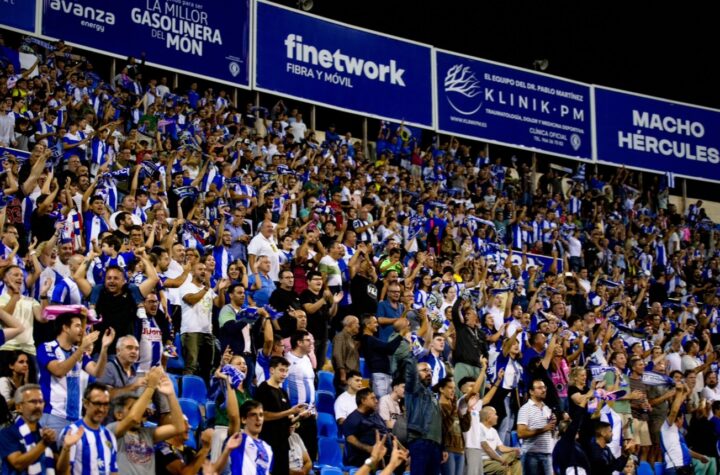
72, 438
88, 341
48, 436
108, 337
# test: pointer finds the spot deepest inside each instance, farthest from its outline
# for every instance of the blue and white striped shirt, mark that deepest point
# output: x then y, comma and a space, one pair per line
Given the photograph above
95, 453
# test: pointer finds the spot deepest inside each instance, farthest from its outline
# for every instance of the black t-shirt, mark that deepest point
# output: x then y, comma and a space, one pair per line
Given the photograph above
364, 295
165, 454
281, 300
317, 322
42, 226
276, 432
124, 238
363, 427
118, 312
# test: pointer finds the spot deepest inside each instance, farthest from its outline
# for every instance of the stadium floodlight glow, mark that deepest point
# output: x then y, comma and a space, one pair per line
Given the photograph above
305, 5
541, 64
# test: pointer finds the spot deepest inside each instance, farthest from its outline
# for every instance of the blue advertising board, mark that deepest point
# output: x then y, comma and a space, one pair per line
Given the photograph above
340, 66
657, 134
479, 99
18, 14
204, 38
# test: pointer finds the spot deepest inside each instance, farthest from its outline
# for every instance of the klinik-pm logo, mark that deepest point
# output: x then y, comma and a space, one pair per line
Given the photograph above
463, 90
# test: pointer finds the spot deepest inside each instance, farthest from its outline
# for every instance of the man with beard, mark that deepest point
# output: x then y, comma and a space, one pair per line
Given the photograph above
65, 368
25, 446
424, 420
116, 301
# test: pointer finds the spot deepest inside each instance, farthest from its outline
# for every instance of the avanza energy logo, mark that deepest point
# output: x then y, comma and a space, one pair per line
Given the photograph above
463, 90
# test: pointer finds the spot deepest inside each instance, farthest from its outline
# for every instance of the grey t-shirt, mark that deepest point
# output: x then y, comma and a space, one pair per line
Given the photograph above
136, 454
116, 377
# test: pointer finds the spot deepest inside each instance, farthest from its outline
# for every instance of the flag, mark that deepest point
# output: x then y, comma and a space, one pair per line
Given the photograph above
651, 378
186, 192
598, 372
561, 168
670, 177
236, 376
149, 168
580, 174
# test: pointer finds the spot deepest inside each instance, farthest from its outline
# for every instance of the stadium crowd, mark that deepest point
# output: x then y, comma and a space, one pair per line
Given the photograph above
190, 285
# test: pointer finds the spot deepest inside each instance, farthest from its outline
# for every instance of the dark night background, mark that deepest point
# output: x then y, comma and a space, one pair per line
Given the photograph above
655, 49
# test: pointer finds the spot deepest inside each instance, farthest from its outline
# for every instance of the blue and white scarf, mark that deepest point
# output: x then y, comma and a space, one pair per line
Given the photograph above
28, 442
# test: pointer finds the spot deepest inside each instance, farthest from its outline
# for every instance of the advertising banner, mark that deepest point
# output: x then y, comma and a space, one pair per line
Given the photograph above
657, 135
18, 14
479, 99
339, 66
201, 37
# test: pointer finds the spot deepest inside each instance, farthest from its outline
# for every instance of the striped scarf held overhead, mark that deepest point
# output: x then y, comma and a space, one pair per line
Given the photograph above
28, 442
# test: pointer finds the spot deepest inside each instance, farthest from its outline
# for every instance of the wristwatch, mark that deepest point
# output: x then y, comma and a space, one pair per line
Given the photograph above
369, 462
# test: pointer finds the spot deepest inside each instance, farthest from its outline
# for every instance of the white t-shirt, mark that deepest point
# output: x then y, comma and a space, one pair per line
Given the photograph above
25, 314
691, 362
673, 362
574, 247
498, 315
491, 436
344, 405
262, 246
174, 270
196, 318
298, 129
300, 383
711, 394
473, 437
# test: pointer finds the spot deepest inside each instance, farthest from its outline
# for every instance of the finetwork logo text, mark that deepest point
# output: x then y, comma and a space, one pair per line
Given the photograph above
298, 51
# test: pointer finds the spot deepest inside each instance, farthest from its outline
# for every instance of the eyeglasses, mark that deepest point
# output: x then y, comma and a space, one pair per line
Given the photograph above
98, 404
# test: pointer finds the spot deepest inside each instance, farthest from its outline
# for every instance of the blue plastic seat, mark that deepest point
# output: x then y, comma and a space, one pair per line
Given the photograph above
191, 409
193, 387
353, 470
325, 402
209, 410
645, 469
325, 381
515, 441
364, 369
177, 364
328, 353
176, 383
326, 425
329, 453
331, 471
659, 468
191, 441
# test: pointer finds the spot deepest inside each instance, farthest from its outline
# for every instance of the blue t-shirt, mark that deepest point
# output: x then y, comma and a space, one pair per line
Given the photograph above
261, 296
386, 310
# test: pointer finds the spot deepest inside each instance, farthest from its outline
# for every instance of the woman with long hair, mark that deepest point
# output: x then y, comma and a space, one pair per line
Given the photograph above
15, 372
453, 426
